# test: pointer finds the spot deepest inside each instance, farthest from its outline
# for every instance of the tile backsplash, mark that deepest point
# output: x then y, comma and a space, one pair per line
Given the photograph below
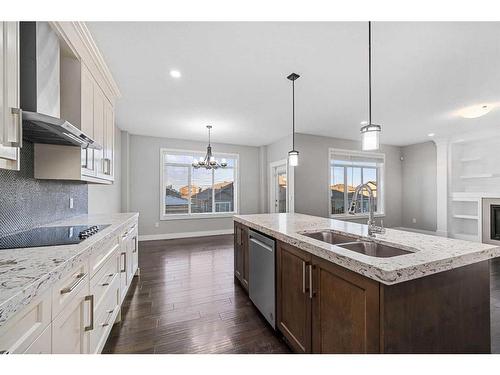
26, 202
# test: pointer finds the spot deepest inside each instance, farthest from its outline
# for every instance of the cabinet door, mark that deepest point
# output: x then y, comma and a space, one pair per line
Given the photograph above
238, 251
109, 139
345, 310
87, 119
43, 344
99, 129
293, 297
246, 257
10, 117
70, 330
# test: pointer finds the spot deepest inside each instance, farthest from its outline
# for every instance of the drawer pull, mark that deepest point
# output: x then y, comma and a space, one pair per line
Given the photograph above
106, 283
79, 278
90, 298
124, 235
106, 323
124, 262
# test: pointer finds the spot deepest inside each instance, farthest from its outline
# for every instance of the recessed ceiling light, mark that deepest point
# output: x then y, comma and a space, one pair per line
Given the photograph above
431, 134
175, 74
475, 111
364, 123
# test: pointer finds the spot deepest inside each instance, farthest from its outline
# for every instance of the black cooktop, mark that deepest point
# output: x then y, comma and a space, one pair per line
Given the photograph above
50, 236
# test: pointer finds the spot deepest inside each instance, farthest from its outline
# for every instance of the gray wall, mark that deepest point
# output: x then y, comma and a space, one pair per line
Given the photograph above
107, 198
311, 175
144, 156
26, 202
419, 186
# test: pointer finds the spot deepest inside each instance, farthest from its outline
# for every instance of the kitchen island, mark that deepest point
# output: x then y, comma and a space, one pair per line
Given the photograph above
430, 295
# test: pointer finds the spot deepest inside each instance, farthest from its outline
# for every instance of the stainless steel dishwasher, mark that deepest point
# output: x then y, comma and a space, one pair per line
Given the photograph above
261, 268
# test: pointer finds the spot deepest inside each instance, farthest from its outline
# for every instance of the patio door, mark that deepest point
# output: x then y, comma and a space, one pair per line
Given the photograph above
280, 194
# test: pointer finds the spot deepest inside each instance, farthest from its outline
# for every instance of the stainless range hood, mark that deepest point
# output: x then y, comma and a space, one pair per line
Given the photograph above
40, 90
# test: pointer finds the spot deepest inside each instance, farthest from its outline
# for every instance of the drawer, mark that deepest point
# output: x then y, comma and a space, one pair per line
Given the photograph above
101, 252
68, 287
102, 280
21, 330
131, 228
105, 315
43, 344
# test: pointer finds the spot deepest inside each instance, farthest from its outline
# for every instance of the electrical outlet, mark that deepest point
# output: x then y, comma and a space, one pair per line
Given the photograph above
414, 220
157, 225
71, 202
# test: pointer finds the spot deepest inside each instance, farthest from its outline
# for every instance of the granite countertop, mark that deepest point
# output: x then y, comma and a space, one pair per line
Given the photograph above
429, 254
27, 272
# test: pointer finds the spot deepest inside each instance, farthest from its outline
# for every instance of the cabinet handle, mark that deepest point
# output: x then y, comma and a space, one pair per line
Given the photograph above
106, 283
90, 298
79, 278
86, 165
303, 277
310, 281
19, 113
106, 323
124, 262
135, 244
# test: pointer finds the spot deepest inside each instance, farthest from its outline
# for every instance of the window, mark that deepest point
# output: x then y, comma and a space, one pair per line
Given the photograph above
348, 169
191, 192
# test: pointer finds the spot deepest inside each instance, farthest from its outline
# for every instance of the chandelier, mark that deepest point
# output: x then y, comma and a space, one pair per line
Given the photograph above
209, 161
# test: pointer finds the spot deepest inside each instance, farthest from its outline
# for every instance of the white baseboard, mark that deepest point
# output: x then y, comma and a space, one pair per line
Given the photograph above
170, 236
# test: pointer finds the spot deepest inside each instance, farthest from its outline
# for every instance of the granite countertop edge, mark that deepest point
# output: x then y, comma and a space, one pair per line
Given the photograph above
71, 255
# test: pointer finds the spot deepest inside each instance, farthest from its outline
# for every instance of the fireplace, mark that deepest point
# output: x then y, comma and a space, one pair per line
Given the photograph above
495, 222
491, 220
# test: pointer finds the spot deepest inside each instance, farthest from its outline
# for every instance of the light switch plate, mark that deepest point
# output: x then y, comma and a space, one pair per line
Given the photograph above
70, 202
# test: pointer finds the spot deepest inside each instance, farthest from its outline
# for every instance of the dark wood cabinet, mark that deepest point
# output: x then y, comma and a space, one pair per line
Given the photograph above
322, 307
345, 310
293, 297
241, 256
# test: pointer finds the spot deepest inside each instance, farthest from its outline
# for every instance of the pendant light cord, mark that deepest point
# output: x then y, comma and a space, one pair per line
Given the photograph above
369, 72
293, 115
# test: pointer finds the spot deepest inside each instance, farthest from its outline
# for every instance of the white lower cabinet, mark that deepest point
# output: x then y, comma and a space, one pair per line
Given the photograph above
70, 329
43, 344
77, 313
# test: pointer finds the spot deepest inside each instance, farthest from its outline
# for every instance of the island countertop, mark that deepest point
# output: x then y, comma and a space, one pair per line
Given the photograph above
28, 272
429, 254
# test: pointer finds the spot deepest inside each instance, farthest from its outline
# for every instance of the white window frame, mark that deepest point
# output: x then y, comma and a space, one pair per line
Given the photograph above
205, 215
380, 180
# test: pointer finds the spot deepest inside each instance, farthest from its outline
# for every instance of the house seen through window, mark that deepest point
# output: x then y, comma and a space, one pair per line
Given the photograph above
349, 169
197, 191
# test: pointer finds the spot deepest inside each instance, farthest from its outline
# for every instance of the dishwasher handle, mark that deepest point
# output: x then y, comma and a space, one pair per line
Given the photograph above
261, 244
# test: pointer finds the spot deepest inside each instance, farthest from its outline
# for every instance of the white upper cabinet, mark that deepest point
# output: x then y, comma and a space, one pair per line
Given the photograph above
10, 114
87, 96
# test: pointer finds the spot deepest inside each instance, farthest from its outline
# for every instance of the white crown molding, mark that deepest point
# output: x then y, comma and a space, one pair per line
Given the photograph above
79, 39
170, 236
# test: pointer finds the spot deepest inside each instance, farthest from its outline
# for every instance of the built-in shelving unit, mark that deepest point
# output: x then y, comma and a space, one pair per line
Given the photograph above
474, 174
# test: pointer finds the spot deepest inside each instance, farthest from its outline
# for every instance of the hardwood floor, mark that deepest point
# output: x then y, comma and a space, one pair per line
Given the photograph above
186, 301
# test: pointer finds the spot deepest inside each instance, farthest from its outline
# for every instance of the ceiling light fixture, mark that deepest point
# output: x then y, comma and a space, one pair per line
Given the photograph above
475, 111
431, 135
209, 161
175, 74
370, 133
293, 155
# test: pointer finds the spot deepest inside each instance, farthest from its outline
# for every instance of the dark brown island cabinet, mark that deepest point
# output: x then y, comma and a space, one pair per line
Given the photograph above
325, 308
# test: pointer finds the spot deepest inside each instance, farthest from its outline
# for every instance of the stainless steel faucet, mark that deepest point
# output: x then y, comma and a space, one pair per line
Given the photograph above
372, 228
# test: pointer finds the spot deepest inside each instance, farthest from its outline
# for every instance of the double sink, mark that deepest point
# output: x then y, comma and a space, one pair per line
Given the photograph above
369, 248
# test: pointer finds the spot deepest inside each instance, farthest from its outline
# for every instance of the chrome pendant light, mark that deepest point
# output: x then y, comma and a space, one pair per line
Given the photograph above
370, 133
293, 155
209, 161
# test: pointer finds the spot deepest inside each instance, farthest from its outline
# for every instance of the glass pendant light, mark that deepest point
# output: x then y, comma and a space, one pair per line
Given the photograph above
370, 133
293, 155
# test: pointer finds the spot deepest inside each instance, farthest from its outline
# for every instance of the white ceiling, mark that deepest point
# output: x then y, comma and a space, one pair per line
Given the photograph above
234, 77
